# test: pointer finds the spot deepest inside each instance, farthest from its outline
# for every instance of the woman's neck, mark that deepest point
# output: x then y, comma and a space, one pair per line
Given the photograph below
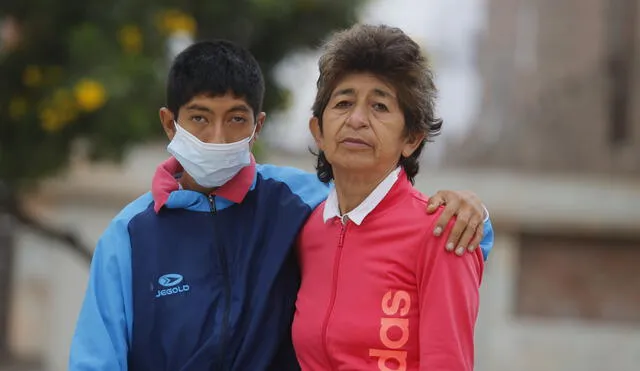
352, 188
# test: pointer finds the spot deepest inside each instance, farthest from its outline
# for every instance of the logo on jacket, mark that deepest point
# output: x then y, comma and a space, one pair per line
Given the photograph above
170, 282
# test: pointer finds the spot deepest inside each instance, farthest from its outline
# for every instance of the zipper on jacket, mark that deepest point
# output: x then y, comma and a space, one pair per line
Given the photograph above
222, 256
334, 289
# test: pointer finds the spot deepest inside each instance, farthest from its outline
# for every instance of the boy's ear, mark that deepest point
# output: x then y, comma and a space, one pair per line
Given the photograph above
167, 120
260, 120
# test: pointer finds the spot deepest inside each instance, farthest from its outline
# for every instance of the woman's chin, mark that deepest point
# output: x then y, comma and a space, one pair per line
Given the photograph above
356, 163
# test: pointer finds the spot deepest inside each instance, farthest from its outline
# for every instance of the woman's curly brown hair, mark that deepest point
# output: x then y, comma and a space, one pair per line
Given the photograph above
388, 53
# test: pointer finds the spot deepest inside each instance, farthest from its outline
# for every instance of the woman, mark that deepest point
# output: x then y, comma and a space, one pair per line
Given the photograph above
379, 291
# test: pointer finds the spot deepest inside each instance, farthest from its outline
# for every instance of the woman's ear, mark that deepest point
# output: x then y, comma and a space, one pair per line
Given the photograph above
316, 132
412, 143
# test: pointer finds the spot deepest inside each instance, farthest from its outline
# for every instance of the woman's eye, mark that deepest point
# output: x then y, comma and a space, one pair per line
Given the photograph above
380, 107
343, 104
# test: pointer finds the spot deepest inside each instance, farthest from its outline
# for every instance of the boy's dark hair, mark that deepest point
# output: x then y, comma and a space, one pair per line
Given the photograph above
215, 68
391, 55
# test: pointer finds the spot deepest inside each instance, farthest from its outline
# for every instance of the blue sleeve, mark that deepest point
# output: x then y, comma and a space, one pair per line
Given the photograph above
487, 241
103, 331
305, 185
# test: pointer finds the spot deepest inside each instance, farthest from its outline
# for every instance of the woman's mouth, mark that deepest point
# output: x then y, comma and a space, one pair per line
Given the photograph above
355, 143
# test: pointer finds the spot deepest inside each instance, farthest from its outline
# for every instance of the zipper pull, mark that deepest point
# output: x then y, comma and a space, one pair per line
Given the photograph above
344, 220
212, 204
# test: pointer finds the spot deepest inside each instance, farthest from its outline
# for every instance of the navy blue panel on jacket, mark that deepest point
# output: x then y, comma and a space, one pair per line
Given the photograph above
214, 283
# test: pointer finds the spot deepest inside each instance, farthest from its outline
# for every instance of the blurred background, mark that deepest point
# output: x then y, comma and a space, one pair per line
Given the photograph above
541, 104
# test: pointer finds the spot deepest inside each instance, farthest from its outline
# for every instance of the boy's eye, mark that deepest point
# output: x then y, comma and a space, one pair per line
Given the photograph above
238, 119
199, 119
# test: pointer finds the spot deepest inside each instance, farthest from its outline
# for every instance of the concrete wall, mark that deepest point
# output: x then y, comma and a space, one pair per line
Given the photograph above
506, 341
547, 90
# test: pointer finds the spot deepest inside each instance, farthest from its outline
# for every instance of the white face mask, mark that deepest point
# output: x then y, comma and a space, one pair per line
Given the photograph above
209, 164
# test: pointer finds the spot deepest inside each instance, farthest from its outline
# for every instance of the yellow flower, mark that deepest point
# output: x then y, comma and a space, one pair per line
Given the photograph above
58, 110
65, 106
17, 107
90, 95
174, 21
32, 76
186, 24
130, 38
51, 121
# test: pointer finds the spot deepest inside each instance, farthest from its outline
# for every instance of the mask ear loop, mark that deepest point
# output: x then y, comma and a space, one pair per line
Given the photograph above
253, 133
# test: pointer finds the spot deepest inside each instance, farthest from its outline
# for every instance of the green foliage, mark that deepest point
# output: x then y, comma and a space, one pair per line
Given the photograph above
95, 70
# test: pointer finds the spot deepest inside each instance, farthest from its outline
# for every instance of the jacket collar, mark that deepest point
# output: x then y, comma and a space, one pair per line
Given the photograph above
357, 215
165, 181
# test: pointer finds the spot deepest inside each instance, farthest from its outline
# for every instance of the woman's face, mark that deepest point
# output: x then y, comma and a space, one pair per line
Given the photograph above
363, 128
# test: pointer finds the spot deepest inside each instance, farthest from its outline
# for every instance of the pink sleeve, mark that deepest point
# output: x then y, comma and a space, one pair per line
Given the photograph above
448, 300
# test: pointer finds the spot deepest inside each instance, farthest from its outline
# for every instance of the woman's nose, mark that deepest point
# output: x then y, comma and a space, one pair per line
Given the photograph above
358, 117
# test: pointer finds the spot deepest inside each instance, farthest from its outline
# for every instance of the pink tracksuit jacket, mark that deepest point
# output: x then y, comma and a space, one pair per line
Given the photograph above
381, 292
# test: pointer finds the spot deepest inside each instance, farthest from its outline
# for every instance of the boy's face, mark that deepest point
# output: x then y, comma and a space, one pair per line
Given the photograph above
220, 119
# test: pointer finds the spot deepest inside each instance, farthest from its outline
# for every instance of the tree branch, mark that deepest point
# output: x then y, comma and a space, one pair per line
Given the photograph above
67, 238
10, 204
